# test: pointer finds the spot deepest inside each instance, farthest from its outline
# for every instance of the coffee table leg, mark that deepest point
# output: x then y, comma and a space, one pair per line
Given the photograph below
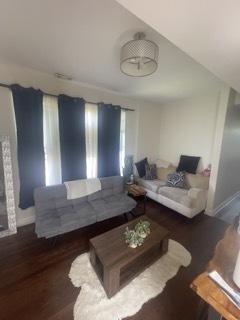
165, 245
92, 256
144, 203
111, 281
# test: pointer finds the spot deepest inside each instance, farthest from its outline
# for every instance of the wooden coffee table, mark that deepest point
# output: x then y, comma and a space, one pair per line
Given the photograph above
116, 264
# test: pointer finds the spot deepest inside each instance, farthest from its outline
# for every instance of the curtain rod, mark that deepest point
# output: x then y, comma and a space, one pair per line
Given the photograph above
54, 95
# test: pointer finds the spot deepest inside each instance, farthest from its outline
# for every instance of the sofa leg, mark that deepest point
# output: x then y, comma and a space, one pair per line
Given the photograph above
53, 241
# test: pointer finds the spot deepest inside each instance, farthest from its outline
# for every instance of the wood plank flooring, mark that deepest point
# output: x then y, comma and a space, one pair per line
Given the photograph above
34, 281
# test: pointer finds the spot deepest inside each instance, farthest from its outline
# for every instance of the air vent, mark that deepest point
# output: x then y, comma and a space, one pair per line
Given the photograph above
63, 76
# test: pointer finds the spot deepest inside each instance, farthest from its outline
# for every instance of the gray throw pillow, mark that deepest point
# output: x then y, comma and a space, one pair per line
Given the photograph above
176, 180
151, 172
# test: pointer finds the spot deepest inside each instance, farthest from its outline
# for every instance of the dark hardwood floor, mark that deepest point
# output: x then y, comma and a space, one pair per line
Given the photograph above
34, 281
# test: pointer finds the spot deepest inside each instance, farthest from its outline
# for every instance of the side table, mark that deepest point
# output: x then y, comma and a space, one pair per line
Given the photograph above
219, 305
139, 194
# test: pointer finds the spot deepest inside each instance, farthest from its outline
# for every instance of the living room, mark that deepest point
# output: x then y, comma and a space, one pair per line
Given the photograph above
183, 115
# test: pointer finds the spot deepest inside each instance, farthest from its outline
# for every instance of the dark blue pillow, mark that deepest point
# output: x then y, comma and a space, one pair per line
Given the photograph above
188, 164
141, 167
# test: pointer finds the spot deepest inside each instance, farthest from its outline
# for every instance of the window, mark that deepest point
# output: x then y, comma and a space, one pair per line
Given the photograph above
51, 141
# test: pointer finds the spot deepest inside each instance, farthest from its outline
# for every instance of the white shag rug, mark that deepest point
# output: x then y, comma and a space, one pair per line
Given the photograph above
92, 302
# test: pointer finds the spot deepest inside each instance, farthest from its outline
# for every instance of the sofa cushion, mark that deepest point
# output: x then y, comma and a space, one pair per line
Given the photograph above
79, 200
44, 207
151, 185
51, 192
67, 209
122, 199
177, 195
62, 203
197, 181
112, 206
106, 210
48, 225
176, 180
111, 185
188, 164
162, 173
95, 195
84, 209
80, 214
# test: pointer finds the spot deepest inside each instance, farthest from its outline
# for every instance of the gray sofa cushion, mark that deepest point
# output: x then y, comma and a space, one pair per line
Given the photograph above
115, 184
112, 206
48, 224
55, 214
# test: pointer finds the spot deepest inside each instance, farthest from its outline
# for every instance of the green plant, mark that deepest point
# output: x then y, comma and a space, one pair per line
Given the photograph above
142, 228
135, 237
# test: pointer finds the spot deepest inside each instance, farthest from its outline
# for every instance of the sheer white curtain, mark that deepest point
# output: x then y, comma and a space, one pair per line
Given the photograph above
51, 141
122, 140
91, 125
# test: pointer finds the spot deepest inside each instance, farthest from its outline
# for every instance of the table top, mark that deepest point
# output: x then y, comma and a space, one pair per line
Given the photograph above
112, 249
223, 262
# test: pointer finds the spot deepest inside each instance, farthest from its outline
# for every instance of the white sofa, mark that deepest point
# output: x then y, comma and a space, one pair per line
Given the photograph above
189, 202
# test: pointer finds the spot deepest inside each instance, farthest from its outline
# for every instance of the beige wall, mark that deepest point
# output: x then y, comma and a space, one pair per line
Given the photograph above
28, 77
148, 132
209, 127
228, 178
188, 127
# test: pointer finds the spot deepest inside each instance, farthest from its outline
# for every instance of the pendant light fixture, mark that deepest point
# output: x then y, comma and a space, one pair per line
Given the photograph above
139, 57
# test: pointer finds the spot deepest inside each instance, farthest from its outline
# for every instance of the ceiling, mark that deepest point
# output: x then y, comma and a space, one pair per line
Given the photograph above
207, 30
82, 39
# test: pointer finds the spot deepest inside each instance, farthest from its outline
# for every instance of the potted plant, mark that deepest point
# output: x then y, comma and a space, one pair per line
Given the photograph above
142, 228
135, 238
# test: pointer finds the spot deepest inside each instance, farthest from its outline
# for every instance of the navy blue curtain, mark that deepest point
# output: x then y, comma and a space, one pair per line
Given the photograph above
109, 118
72, 137
29, 122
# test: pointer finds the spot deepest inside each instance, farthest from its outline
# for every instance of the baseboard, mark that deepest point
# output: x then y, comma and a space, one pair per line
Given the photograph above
225, 203
209, 212
25, 220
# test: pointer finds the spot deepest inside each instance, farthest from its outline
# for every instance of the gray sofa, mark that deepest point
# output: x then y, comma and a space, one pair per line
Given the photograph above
56, 215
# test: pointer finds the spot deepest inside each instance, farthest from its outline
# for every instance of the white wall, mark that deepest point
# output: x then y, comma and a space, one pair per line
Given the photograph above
208, 127
188, 127
27, 77
228, 178
148, 132
223, 102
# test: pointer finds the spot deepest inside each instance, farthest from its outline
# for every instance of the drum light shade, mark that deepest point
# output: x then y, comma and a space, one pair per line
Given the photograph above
139, 57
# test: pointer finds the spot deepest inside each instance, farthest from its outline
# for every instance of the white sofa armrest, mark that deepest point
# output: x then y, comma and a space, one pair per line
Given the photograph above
199, 197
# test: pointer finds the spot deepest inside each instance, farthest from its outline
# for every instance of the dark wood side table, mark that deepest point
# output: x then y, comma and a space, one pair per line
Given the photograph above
116, 264
223, 262
140, 196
